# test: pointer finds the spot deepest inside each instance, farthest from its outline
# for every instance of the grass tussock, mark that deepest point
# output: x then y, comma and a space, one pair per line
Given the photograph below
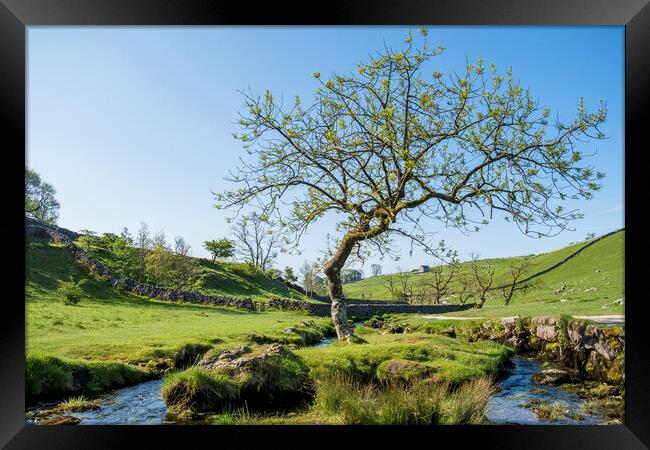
198, 390
47, 376
78, 404
548, 411
421, 403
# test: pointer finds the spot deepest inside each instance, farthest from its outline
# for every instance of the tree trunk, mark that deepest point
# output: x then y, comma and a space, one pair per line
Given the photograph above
339, 308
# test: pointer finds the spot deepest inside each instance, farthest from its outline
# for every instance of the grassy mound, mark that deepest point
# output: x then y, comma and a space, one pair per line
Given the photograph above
199, 390
452, 360
225, 278
49, 377
258, 378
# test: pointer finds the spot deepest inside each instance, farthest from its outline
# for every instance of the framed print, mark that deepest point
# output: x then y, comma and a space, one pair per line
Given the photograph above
266, 223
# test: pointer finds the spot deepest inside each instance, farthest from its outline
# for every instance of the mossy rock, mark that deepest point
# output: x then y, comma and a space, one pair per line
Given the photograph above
160, 365
402, 371
603, 391
258, 377
616, 373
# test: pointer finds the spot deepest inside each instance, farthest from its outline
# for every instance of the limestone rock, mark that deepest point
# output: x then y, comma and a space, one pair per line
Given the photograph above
552, 377
545, 328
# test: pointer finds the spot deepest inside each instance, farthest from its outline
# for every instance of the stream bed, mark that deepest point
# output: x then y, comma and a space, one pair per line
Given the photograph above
142, 404
517, 390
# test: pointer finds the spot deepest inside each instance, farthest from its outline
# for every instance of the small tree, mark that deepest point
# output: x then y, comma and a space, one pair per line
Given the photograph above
40, 200
390, 281
376, 270
143, 243
222, 248
351, 275
308, 277
85, 242
126, 258
289, 275
184, 267
256, 240
405, 286
398, 284
517, 270
467, 289
70, 291
439, 279
483, 277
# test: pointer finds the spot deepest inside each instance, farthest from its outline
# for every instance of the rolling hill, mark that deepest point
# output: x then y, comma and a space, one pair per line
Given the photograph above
594, 277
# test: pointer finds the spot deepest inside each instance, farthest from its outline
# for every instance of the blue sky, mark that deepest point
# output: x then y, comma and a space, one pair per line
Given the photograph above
135, 124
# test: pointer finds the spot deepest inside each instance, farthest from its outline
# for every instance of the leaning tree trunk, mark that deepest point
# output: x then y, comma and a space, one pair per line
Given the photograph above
339, 308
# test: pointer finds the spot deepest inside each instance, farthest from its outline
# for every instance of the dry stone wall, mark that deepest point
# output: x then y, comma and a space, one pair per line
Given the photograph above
364, 310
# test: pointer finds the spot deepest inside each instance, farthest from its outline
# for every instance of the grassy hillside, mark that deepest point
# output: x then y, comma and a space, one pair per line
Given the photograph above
582, 285
112, 325
232, 279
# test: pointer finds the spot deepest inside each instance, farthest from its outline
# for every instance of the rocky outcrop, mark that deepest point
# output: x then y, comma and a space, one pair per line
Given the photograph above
594, 352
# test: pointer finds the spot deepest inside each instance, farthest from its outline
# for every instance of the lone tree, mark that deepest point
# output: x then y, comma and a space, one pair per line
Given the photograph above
439, 280
517, 270
376, 270
482, 277
256, 241
40, 200
397, 141
220, 248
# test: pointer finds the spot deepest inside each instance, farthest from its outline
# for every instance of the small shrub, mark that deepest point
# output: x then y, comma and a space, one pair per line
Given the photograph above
71, 292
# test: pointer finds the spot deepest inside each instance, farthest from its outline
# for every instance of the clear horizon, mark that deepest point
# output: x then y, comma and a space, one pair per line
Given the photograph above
134, 124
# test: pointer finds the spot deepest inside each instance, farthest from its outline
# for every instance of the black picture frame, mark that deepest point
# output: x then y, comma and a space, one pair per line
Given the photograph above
16, 15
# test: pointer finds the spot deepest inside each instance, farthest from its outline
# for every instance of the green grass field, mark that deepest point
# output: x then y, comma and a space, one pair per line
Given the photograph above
581, 286
112, 325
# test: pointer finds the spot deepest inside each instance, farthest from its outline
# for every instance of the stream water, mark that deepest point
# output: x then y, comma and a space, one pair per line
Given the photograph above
143, 404
517, 390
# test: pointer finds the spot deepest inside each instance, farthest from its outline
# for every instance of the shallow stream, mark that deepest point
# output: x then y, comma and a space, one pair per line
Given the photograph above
517, 390
143, 404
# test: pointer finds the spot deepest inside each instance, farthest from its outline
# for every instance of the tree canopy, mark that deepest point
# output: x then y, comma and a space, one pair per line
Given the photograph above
398, 141
40, 200
220, 248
